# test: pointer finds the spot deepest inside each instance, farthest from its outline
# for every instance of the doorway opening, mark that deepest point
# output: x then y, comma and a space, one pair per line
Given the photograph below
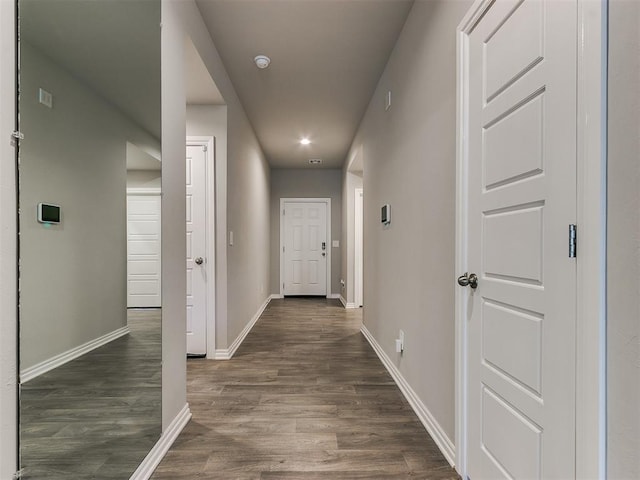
352, 295
206, 130
144, 262
358, 248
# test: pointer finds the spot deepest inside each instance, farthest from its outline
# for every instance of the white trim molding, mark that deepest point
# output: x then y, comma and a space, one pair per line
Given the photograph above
436, 432
228, 353
8, 245
276, 296
328, 219
160, 449
151, 191
65, 357
591, 338
346, 304
334, 296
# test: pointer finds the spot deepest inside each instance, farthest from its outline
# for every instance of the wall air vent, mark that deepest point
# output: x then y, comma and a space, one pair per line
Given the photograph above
315, 161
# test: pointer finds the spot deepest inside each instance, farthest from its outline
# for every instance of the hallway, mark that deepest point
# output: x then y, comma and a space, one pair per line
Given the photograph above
305, 397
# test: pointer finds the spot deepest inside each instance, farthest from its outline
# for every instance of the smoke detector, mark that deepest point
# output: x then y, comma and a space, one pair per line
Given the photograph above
315, 161
262, 61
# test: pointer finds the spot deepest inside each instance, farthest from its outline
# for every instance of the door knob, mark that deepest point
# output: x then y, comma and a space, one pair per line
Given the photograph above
199, 261
323, 254
467, 279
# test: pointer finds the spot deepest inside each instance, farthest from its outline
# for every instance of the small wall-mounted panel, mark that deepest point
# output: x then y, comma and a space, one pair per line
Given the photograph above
385, 214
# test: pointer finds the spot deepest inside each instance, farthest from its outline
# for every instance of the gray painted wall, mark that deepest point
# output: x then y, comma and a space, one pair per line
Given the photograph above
174, 278
73, 275
246, 196
306, 183
409, 162
242, 199
144, 179
623, 288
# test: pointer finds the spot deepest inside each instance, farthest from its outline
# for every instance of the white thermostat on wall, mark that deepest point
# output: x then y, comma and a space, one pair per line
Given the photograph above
385, 214
48, 213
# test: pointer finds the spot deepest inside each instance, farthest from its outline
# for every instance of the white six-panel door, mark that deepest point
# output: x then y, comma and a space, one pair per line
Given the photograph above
143, 251
305, 248
521, 319
196, 248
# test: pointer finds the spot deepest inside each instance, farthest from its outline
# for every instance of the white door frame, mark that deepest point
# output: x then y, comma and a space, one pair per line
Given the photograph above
591, 261
358, 249
210, 235
327, 201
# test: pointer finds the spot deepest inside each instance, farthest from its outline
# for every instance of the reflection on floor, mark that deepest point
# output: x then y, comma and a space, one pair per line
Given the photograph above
98, 416
304, 398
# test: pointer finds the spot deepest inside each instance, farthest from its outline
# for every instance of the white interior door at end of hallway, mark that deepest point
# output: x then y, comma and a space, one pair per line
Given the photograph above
143, 251
305, 248
196, 328
521, 198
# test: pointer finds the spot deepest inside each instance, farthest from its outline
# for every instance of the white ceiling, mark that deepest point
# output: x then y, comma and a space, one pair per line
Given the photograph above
326, 59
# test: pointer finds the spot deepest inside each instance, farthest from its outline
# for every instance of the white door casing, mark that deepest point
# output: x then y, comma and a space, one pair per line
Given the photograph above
519, 174
143, 248
196, 218
305, 246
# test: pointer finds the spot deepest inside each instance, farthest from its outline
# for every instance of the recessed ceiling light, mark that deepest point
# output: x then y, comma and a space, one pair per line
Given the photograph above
305, 141
262, 61
315, 161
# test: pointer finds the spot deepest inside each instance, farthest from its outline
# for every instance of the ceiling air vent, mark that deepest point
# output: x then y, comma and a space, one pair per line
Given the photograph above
315, 161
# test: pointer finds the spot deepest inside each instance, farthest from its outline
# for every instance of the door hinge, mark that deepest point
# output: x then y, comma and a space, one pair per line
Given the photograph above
204, 148
17, 136
573, 237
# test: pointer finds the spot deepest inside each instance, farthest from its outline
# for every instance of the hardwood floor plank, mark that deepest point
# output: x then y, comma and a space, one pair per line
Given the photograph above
305, 397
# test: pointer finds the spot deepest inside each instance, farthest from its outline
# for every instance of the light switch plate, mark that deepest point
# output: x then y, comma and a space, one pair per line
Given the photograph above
45, 98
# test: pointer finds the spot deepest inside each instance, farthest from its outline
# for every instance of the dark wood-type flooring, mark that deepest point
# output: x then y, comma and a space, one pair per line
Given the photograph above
97, 416
305, 397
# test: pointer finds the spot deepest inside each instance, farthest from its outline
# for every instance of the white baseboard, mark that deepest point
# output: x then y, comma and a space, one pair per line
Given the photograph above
439, 436
162, 446
346, 304
334, 296
276, 296
227, 353
65, 357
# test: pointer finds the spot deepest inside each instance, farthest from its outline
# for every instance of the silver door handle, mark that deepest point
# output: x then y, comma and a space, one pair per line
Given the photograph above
199, 260
467, 279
